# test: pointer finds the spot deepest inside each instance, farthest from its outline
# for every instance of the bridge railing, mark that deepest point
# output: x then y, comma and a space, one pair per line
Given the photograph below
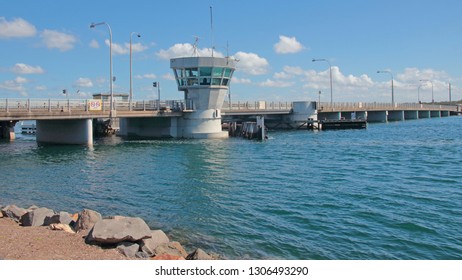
257, 105
69, 105
363, 106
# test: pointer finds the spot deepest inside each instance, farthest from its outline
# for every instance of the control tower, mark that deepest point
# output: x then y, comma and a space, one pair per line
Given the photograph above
205, 82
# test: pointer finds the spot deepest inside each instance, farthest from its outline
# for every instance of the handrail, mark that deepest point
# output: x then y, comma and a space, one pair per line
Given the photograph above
10, 105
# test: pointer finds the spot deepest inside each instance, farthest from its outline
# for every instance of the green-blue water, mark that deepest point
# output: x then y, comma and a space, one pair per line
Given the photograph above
393, 191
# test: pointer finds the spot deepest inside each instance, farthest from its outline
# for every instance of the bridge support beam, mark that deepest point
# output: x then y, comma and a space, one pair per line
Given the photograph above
196, 125
395, 115
411, 115
74, 132
445, 113
377, 116
7, 130
148, 127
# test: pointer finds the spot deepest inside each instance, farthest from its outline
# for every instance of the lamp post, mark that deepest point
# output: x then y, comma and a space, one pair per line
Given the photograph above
319, 100
418, 93
392, 86
93, 25
330, 72
433, 100
131, 85
450, 92
157, 85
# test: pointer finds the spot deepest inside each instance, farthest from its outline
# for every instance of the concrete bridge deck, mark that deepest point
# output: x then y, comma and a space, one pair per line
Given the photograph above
72, 118
40, 109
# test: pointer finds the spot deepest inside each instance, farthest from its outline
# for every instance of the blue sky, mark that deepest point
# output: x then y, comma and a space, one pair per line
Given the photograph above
47, 46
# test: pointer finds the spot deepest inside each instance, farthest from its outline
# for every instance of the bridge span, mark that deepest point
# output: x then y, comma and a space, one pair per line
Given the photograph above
69, 121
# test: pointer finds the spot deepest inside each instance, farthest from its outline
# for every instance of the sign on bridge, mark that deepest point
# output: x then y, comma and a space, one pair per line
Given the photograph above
95, 105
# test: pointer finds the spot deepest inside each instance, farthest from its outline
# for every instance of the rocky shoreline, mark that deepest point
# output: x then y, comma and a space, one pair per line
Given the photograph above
131, 236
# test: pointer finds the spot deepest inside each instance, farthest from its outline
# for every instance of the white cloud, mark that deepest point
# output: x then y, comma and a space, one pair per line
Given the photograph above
185, 50
58, 40
21, 80
237, 80
94, 44
282, 75
125, 49
21, 68
414, 75
83, 82
319, 80
291, 70
287, 45
146, 76
17, 28
41, 88
251, 63
276, 84
16, 85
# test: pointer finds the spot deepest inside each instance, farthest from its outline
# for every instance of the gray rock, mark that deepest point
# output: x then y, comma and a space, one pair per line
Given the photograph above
172, 248
128, 249
87, 219
13, 212
36, 217
148, 245
113, 231
200, 254
60, 218
141, 255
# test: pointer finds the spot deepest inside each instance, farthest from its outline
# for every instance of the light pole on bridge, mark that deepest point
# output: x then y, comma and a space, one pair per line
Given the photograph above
93, 25
433, 100
131, 84
330, 74
392, 86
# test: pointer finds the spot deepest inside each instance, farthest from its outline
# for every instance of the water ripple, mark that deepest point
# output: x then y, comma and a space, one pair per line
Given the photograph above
393, 191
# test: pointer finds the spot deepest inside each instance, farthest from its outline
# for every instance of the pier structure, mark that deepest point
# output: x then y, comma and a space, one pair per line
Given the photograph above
205, 82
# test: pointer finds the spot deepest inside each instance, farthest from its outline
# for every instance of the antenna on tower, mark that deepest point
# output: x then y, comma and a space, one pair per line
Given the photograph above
195, 52
211, 27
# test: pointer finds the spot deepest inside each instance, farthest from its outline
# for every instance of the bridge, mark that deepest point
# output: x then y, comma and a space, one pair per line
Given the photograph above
294, 114
153, 118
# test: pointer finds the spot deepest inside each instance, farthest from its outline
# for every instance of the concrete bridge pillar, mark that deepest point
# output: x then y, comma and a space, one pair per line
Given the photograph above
76, 132
7, 130
445, 113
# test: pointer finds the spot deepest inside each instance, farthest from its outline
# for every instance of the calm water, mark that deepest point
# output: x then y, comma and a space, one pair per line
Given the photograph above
393, 191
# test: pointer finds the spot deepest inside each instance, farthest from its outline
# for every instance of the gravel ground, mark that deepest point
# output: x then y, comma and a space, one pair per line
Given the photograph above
41, 243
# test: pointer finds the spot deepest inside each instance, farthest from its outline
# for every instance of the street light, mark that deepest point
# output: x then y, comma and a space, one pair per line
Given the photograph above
131, 87
418, 93
93, 25
433, 100
392, 87
330, 71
